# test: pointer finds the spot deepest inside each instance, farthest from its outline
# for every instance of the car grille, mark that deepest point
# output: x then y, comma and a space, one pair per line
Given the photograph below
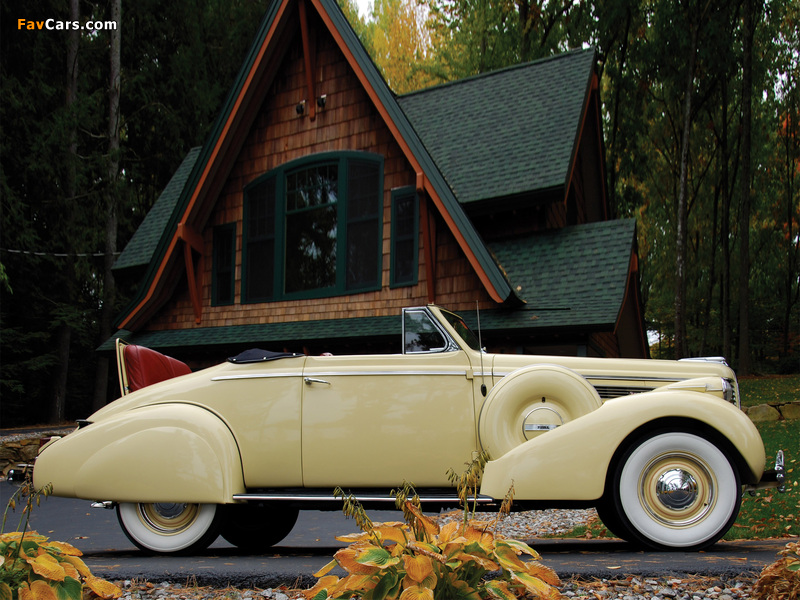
607, 392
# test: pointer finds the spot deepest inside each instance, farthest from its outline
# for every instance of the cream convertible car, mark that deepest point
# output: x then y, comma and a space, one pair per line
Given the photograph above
659, 447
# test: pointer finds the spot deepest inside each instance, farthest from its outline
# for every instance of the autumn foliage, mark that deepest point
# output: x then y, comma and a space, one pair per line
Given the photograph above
781, 580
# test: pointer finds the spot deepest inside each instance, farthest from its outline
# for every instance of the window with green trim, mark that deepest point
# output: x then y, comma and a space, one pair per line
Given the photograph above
313, 228
224, 265
405, 236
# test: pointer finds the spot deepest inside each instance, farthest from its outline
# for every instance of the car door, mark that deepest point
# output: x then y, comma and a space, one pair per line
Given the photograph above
381, 420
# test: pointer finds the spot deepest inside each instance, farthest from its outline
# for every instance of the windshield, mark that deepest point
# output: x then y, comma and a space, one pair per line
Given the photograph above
462, 329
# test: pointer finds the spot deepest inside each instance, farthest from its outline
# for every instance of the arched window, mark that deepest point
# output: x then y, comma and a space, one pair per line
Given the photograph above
312, 228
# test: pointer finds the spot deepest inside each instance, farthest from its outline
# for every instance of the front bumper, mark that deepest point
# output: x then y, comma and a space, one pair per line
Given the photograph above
772, 478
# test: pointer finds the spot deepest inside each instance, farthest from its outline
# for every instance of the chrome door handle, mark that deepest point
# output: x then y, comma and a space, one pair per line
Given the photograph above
310, 380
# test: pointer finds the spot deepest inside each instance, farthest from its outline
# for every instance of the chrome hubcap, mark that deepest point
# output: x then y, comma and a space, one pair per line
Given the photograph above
677, 489
168, 518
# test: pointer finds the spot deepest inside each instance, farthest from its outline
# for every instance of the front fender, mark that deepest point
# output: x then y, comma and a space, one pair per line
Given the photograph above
163, 453
571, 462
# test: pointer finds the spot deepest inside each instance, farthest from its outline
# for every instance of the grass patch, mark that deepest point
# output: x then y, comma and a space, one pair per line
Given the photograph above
762, 390
768, 513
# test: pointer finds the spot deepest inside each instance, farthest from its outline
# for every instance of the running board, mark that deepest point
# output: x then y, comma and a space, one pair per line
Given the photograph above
299, 497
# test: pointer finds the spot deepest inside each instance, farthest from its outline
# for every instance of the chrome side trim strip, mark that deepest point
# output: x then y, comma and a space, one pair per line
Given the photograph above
313, 374
255, 376
611, 377
461, 373
481, 499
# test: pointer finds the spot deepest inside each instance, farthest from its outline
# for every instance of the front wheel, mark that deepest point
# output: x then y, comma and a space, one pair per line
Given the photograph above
675, 490
169, 527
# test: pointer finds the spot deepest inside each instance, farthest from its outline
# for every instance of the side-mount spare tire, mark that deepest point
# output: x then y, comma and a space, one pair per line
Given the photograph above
530, 402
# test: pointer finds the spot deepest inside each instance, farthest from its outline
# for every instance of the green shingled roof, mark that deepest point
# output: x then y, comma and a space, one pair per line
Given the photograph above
142, 246
524, 119
574, 277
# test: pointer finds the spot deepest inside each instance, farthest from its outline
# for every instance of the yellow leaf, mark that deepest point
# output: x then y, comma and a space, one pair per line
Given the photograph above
427, 525
48, 567
362, 583
508, 558
346, 557
522, 548
326, 569
79, 565
536, 586
41, 591
70, 571
322, 584
546, 574
65, 548
480, 536
391, 532
483, 561
103, 588
418, 567
353, 537
449, 532
416, 592
5, 591
500, 590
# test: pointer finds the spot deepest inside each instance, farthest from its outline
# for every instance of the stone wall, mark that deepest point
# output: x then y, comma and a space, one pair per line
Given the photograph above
774, 411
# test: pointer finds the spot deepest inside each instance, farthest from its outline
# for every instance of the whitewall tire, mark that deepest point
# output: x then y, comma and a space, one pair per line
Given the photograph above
676, 490
168, 527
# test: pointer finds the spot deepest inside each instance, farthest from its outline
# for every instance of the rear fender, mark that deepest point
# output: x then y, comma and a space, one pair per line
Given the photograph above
571, 462
161, 453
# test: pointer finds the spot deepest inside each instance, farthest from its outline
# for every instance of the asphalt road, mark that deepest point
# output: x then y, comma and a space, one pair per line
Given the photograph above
311, 544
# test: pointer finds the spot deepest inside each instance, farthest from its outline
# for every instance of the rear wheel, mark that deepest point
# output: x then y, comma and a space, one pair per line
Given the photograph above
169, 527
675, 490
256, 526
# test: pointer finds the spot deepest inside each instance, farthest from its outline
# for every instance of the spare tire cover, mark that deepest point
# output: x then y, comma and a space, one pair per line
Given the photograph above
531, 401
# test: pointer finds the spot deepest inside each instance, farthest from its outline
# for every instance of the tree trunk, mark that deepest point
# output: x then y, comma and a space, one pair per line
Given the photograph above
59, 393
724, 233
57, 412
744, 210
112, 173
681, 347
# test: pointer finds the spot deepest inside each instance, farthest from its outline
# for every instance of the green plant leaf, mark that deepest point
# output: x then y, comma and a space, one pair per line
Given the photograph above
374, 556
387, 583
500, 590
69, 589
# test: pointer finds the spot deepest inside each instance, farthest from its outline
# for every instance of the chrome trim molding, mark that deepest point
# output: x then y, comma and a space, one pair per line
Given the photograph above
481, 499
460, 373
255, 376
314, 374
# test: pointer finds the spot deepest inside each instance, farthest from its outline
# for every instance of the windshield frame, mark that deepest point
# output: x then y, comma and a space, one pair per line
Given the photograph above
462, 330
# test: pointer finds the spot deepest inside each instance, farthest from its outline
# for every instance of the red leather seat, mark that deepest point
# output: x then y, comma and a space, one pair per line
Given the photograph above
145, 367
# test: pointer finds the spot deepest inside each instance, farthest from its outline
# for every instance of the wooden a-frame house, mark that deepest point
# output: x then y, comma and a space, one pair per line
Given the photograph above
322, 203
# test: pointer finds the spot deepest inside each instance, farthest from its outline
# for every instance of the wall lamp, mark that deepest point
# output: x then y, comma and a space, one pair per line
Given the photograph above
300, 108
321, 100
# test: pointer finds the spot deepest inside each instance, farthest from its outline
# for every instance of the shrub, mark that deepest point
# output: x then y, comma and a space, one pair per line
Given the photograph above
781, 580
33, 567
418, 560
